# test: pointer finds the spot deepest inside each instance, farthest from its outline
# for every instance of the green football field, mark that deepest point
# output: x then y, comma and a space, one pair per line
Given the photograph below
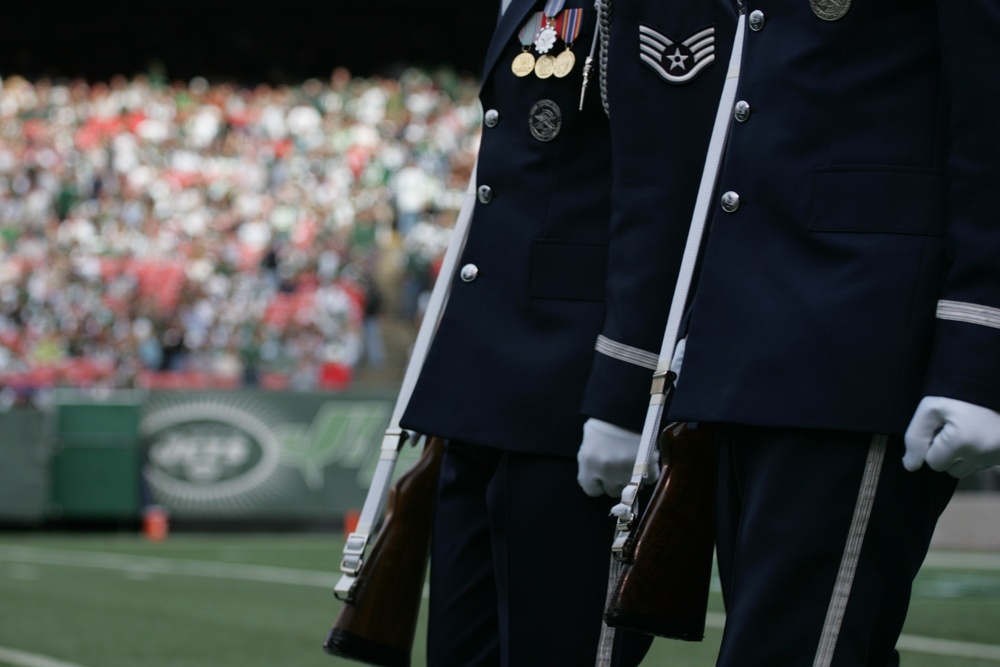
248, 600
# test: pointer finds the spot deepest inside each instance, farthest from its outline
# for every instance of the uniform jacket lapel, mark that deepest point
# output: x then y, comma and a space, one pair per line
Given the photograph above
509, 24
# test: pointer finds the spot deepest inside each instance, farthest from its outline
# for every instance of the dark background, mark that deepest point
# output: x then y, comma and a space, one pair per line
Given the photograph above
252, 41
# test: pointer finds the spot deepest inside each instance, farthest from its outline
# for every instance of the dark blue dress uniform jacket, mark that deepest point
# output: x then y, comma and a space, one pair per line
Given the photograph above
528, 342
855, 263
511, 354
666, 63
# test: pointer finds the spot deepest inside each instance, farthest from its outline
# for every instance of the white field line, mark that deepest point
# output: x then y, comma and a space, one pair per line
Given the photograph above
281, 575
913, 643
21, 659
947, 647
153, 565
962, 560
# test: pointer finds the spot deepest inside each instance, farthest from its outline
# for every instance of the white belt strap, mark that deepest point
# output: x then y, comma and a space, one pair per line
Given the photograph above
696, 233
395, 436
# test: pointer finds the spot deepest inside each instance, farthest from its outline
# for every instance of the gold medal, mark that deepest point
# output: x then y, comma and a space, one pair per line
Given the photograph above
545, 66
564, 63
830, 10
523, 64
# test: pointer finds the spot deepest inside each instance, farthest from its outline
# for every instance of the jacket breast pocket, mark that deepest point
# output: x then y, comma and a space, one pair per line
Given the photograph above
887, 200
567, 270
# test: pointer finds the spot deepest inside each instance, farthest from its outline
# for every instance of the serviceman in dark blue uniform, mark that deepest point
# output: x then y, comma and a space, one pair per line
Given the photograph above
661, 68
535, 340
849, 294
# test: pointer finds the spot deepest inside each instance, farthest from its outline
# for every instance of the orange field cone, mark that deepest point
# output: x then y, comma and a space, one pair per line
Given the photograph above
155, 523
351, 521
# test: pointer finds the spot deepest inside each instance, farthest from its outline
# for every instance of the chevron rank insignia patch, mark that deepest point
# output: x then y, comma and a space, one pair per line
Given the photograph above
676, 62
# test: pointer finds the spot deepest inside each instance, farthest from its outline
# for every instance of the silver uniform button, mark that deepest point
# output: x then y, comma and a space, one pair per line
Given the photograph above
468, 273
492, 118
756, 20
741, 111
485, 194
730, 202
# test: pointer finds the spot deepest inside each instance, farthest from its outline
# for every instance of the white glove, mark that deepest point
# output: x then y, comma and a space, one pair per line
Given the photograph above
678, 359
606, 459
953, 436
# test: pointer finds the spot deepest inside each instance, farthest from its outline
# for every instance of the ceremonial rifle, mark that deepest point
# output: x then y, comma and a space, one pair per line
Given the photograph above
381, 585
661, 565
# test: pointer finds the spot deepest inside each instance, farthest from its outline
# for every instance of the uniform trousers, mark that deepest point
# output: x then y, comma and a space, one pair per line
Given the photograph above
519, 564
819, 537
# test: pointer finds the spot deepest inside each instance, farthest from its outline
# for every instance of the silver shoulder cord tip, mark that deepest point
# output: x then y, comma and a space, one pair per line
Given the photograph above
588, 63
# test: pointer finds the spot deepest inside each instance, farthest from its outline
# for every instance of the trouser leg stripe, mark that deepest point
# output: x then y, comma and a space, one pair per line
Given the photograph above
852, 551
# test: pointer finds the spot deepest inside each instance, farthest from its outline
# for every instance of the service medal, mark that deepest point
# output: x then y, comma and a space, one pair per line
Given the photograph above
564, 63
830, 10
523, 65
568, 25
545, 67
546, 39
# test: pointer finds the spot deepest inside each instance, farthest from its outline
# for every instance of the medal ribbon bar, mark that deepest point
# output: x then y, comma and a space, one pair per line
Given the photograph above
568, 24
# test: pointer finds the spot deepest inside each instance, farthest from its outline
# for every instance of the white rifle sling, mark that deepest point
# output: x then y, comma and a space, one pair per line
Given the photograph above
395, 436
662, 376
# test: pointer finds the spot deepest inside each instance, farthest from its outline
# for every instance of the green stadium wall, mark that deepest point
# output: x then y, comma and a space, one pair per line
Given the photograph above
205, 456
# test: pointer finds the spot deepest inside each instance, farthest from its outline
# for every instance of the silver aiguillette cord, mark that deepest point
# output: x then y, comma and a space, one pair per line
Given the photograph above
588, 64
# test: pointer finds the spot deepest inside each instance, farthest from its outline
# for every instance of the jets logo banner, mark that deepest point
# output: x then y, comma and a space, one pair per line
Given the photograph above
260, 455
676, 62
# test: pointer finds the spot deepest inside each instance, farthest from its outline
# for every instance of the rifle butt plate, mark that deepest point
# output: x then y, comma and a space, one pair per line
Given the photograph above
353, 647
655, 624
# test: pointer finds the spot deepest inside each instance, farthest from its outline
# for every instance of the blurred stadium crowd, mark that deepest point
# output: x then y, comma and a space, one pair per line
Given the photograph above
200, 235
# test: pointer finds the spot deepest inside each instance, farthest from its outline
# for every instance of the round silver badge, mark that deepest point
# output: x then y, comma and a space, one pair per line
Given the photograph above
545, 120
830, 10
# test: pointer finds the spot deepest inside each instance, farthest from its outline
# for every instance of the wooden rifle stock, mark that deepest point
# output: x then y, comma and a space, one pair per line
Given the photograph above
667, 558
378, 622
